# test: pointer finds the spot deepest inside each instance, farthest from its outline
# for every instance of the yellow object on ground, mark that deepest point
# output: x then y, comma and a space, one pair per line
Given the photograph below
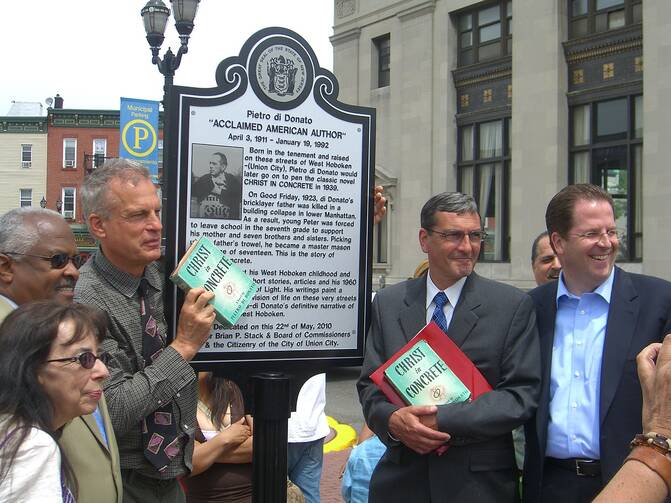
342, 436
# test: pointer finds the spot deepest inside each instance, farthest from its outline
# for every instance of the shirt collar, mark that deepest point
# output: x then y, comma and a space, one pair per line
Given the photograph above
605, 289
126, 283
453, 292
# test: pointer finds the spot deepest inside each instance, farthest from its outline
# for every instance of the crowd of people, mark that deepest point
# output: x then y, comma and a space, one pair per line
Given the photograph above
581, 363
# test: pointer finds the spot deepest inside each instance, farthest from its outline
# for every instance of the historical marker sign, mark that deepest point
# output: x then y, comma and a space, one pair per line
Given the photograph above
278, 173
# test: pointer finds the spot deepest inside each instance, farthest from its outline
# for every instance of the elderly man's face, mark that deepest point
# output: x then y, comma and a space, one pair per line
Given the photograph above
546, 265
217, 165
131, 235
34, 278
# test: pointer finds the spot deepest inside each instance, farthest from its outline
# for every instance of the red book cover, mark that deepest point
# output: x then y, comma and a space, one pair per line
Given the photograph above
450, 353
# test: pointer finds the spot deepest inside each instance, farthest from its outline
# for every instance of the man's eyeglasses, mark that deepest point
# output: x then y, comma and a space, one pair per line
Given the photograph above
58, 261
458, 236
87, 359
595, 236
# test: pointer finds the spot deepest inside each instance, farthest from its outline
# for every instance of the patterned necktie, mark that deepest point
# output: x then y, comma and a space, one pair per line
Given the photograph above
438, 315
159, 431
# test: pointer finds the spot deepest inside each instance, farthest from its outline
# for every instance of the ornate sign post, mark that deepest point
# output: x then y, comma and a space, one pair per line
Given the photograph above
278, 174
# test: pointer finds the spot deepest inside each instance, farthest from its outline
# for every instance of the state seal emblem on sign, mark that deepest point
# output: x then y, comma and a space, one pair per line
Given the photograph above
280, 72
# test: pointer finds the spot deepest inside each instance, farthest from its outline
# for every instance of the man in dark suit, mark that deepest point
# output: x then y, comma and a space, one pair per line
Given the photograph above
592, 323
217, 194
494, 325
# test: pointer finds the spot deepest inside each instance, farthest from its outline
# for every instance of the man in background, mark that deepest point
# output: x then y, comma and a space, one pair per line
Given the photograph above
544, 261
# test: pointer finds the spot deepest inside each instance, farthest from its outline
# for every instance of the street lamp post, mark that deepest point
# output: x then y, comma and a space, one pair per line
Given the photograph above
155, 16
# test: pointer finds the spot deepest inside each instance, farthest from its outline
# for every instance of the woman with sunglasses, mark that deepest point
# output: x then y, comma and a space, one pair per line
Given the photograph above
50, 373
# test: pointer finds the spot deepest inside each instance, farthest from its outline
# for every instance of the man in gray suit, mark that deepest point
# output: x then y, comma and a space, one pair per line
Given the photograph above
495, 326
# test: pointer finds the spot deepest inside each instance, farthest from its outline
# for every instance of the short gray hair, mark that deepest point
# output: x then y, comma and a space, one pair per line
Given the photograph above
16, 235
451, 202
96, 185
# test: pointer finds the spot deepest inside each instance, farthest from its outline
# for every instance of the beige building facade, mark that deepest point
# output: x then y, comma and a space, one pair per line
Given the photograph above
23, 161
510, 101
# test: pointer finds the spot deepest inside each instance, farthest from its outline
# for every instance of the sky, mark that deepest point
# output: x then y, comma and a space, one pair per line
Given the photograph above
92, 52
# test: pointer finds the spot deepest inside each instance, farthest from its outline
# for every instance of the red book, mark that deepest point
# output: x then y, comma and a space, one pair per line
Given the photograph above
450, 353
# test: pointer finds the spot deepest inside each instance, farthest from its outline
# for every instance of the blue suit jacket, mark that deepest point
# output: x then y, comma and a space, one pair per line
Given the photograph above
639, 314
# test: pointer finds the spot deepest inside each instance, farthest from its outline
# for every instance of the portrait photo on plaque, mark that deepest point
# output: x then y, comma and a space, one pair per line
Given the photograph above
216, 182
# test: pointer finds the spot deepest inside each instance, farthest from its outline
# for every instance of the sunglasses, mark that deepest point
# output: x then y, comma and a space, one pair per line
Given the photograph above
58, 261
87, 359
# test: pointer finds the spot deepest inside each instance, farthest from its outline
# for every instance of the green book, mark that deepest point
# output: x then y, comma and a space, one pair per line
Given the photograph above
421, 377
204, 265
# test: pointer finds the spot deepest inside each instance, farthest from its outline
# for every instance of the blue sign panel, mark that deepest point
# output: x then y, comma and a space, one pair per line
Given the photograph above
138, 130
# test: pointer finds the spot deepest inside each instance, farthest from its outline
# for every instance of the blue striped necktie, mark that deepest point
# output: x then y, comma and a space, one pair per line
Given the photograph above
438, 315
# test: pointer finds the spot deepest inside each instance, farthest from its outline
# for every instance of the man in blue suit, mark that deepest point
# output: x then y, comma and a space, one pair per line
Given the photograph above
592, 323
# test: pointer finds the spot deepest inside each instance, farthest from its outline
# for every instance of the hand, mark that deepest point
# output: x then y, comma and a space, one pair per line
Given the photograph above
195, 322
379, 201
654, 371
235, 434
645, 364
406, 424
249, 421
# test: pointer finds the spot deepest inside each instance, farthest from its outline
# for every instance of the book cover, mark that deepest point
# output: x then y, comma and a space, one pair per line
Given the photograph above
204, 265
448, 351
421, 377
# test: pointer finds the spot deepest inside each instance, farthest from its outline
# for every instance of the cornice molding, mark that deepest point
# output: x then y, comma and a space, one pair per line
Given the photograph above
603, 44
420, 9
345, 36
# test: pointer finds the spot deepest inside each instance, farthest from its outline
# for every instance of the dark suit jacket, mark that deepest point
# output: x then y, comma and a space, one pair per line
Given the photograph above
494, 325
231, 197
96, 465
639, 314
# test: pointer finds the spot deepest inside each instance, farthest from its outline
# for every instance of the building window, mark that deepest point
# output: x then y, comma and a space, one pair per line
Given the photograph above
25, 198
381, 239
26, 155
69, 198
485, 33
383, 52
99, 152
607, 150
483, 165
595, 16
69, 152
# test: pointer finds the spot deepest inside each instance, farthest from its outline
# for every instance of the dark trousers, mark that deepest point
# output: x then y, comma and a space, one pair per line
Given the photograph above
140, 489
561, 486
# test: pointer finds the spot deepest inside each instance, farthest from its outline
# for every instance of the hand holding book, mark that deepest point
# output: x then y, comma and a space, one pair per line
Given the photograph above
443, 367
416, 427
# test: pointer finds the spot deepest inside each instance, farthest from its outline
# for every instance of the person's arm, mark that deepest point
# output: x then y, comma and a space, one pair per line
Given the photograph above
636, 481
225, 447
515, 394
365, 433
132, 394
391, 423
